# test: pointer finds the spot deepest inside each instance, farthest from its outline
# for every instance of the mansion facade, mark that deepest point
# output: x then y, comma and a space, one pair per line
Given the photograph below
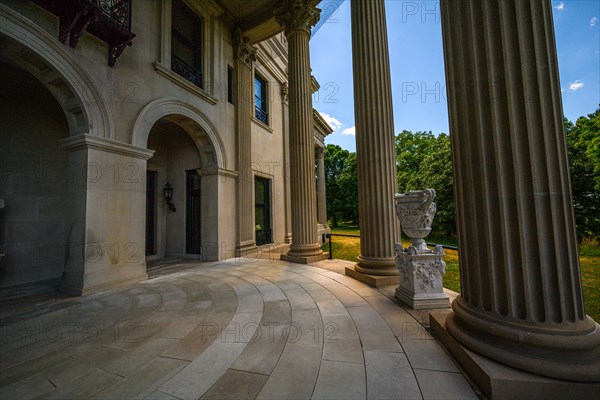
138, 130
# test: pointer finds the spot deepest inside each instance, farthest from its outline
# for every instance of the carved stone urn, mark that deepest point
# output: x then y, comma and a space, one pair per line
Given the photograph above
416, 210
420, 269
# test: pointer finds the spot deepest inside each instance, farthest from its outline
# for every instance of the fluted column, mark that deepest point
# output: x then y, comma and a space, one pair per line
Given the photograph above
245, 54
297, 17
321, 195
375, 154
286, 161
521, 296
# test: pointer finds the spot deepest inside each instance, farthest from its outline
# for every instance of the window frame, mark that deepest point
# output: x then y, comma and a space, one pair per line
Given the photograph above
263, 98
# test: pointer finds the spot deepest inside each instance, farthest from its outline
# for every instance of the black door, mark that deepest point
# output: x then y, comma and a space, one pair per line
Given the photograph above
262, 211
150, 212
193, 240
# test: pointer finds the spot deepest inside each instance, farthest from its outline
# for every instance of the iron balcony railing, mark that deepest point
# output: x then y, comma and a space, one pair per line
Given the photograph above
108, 20
261, 115
264, 236
186, 71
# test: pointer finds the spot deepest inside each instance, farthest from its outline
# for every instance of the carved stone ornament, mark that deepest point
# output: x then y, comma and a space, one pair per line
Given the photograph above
416, 210
243, 49
285, 90
296, 15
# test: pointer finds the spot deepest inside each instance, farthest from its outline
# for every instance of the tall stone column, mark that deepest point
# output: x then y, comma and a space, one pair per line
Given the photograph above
245, 55
375, 154
297, 17
521, 296
286, 161
321, 194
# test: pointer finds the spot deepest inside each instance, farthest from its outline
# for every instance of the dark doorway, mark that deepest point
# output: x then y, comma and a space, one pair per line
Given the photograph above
193, 238
150, 212
262, 211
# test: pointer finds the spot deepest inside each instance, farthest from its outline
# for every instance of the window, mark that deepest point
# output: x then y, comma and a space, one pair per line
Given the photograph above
262, 211
186, 43
230, 84
260, 100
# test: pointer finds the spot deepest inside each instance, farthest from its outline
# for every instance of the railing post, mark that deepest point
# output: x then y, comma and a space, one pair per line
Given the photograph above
330, 247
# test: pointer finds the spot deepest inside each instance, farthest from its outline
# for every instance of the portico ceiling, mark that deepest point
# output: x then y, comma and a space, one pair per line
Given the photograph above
255, 18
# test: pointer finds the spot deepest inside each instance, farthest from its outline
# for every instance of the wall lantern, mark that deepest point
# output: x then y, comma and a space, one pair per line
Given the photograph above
169, 196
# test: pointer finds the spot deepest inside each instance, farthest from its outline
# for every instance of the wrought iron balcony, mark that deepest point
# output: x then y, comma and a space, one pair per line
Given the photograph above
261, 115
264, 236
187, 71
108, 20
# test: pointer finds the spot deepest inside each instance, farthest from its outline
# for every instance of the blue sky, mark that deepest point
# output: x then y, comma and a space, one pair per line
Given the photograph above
417, 65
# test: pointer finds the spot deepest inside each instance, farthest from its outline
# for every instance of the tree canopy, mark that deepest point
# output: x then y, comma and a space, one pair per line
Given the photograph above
424, 160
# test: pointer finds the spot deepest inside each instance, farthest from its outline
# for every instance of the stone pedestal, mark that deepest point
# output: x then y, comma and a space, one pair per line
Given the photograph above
297, 17
375, 151
521, 300
421, 286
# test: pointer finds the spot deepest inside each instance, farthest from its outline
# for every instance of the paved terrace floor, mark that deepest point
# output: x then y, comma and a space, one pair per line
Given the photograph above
229, 330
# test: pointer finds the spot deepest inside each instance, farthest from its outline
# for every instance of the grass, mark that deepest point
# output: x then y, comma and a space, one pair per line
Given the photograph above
346, 248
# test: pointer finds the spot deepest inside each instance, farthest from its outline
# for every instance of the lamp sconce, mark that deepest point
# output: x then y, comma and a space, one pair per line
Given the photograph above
169, 196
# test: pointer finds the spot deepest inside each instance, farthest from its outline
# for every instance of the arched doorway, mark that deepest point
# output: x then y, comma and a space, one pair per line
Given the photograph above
184, 225
33, 181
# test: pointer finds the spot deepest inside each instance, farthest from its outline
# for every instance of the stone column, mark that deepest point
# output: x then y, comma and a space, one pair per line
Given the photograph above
297, 17
286, 160
521, 296
321, 194
245, 54
375, 153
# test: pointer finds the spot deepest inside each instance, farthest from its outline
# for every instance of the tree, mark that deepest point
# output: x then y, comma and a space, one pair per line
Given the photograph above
583, 145
424, 161
335, 161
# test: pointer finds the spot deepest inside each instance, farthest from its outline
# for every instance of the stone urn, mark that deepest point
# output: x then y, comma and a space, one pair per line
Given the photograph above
416, 210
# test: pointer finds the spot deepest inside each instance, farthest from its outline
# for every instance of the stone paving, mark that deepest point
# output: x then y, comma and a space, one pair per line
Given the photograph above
239, 329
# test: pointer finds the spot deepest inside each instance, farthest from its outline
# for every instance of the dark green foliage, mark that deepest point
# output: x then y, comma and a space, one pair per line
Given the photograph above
583, 144
341, 181
424, 161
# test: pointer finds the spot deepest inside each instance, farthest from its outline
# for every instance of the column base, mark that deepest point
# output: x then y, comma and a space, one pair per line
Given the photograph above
422, 301
499, 381
377, 266
245, 248
571, 353
375, 281
304, 259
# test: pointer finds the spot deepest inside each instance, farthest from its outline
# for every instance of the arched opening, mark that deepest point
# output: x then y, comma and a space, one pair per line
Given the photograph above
34, 179
184, 226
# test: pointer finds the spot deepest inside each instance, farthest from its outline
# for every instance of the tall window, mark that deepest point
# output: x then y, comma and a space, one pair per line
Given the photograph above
230, 84
260, 99
186, 43
262, 211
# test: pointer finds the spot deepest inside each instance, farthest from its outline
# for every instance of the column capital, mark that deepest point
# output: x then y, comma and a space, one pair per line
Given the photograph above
298, 15
243, 49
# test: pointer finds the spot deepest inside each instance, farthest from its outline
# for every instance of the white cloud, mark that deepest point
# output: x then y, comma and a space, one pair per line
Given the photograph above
593, 21
350, 131
332, 121
560, 6
576, 85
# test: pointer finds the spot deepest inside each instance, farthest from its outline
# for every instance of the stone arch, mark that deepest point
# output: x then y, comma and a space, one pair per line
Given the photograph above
28, 46
191, 119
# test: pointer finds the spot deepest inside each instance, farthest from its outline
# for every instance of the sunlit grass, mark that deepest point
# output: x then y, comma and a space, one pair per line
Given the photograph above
345, 248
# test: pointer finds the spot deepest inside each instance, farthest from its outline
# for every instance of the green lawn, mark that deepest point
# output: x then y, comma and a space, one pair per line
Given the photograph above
346, 248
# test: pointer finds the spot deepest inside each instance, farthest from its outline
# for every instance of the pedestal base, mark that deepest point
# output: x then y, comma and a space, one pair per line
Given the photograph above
499, 381
304, 260
424, 301
246, 248
372, 280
